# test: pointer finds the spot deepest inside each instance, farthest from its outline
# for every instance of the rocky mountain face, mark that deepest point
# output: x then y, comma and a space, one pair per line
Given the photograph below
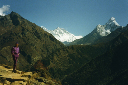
99, 32
106, 29
34, 42
62, 35
111, 36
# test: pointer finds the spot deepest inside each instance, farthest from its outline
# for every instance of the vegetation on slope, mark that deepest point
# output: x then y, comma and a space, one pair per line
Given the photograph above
66, 60
110, 68
34, 42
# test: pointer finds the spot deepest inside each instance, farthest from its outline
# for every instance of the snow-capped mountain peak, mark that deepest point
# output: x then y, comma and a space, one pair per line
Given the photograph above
60, 30
112, 18
112, 21
106, 29
62, 35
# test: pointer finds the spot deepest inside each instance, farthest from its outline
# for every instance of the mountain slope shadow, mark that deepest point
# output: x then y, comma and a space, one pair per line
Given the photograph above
110, 68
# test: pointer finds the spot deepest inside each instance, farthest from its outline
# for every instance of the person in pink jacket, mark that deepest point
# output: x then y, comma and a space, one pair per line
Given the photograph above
15, 54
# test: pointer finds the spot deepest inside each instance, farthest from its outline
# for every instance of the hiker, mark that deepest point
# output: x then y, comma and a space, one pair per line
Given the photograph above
15, 54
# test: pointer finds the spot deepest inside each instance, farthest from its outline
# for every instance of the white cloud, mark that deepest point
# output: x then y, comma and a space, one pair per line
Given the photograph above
4, 9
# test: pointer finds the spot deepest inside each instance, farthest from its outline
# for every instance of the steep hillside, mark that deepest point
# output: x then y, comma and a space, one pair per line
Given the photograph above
34, 42
110, 68
66, 60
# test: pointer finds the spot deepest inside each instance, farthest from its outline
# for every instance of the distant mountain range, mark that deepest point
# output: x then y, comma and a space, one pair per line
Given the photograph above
99, 32
62, 35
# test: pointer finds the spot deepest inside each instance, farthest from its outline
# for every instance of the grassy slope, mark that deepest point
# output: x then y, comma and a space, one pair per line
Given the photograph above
66, 60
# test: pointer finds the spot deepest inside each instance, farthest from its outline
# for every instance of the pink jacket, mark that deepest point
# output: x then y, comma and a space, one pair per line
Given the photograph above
16, 51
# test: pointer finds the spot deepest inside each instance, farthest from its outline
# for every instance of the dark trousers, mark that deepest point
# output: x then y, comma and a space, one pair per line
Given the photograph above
15, 62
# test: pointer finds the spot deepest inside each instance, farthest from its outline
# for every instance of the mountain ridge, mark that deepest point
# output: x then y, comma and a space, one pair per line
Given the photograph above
98, 32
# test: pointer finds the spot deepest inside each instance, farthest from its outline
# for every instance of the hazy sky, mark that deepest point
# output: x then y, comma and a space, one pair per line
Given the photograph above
79, 17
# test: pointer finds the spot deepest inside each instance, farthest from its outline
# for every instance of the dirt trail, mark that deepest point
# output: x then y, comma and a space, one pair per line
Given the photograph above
7, 77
